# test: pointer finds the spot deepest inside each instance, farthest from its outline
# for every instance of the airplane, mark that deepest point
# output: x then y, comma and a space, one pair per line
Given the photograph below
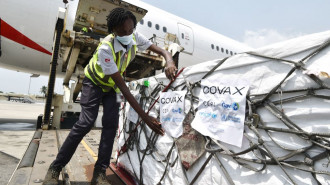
27, 33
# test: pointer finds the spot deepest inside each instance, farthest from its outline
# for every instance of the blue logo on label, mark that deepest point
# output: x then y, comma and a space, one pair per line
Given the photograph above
234, 106
179, 110
169, 119
177, 120
225, 117
208, 114
166, 119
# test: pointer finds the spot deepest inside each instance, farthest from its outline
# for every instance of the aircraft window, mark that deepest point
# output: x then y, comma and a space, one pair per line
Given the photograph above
222, 50
182, 35
142, 21
157, 27
227, 51
231, 53
149, 24
212, 46
164, 29
217, 48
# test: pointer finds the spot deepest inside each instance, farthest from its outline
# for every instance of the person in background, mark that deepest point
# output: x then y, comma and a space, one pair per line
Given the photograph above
103, 81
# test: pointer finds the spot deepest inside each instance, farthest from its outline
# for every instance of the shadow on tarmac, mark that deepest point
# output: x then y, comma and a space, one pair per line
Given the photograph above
17, 124
8, 164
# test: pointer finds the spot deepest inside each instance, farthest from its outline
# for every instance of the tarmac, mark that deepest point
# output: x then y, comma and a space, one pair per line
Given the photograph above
8, 165
17, 126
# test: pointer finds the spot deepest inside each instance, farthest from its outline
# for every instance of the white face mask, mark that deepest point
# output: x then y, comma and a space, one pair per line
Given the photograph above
125, 40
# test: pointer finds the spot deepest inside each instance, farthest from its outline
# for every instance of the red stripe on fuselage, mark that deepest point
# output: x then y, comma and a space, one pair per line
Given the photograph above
16, 36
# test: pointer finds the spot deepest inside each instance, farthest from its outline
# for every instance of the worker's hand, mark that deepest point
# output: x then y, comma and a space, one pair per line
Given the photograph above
170, 70
154, 124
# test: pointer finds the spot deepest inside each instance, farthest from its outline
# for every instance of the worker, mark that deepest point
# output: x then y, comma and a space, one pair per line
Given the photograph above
102, 83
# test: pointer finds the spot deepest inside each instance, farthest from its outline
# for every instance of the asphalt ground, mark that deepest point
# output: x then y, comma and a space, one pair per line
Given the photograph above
17, 127
8, 165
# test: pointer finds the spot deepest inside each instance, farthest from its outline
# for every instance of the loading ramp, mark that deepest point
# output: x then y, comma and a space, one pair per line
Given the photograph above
42, 152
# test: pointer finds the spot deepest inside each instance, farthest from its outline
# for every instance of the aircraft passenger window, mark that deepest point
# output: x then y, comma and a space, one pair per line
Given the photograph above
141, 22
217, 48
164, 29
149, 24
157, 27
222, 50
212, 46
231, 53
227, 51
182, 35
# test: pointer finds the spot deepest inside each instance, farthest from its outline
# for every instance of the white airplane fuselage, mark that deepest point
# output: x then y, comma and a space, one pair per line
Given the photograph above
27, 31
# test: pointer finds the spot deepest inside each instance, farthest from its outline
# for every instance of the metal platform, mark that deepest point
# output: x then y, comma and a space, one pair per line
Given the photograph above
78, 171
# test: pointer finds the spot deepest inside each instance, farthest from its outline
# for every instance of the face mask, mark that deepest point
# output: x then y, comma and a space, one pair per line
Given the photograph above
125, 39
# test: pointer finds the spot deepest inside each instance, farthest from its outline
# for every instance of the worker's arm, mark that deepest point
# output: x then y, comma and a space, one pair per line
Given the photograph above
170, 66
150, 121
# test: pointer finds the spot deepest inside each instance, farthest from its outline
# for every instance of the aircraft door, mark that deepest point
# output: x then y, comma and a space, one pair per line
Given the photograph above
186, 38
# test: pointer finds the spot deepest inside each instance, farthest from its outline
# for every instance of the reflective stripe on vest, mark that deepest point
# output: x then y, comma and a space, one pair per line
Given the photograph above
95, 73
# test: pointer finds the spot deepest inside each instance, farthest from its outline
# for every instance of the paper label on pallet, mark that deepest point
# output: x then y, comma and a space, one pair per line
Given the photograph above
172, 112
221, 110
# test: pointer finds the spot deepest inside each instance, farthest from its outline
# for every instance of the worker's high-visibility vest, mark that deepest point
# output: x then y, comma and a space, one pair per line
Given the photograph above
95, 73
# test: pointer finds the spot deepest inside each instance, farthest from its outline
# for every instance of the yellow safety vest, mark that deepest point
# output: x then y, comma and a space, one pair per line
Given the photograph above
95, 73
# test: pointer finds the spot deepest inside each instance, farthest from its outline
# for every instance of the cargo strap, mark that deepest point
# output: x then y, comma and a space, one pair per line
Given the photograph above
262, 153
153, 137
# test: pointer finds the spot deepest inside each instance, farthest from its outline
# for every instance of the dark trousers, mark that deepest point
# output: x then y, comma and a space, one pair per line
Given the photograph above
91, 97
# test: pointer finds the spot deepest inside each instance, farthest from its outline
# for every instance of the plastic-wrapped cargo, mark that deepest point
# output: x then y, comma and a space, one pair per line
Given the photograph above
281, 136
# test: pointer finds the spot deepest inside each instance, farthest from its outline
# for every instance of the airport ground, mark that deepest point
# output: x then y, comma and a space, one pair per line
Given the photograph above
17, 126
